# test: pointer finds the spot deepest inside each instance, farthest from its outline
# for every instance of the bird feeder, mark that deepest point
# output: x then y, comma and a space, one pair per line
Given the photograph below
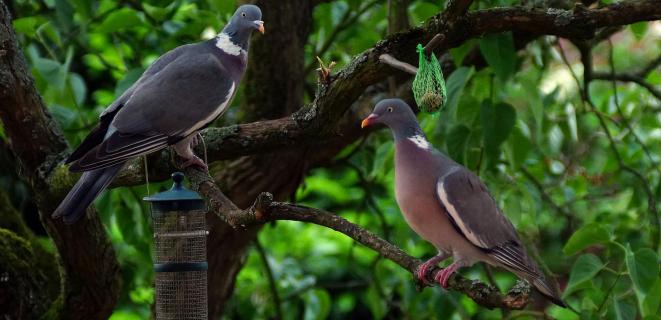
180, 259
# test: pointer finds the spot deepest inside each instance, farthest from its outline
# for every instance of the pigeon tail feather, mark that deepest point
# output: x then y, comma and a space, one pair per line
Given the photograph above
545, 289
88, 187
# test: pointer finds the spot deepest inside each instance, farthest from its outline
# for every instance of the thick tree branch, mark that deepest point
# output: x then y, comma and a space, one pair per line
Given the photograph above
456, 8
265, 210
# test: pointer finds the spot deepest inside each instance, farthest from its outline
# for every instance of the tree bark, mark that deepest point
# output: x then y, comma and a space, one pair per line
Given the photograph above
273, 88
89, 267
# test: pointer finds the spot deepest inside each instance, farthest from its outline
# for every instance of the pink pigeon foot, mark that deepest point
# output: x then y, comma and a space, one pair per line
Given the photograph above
195, 161
424, 268
443, 276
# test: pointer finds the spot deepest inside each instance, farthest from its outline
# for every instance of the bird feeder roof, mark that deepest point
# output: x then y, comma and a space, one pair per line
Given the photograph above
177, 193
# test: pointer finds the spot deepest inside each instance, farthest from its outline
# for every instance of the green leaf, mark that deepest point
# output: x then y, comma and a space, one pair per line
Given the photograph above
125, 315
639, 29
643, 266
498, 50
382, 155
64, 12
48, 31
583, 270
78, 87
317, 304
497, 123
123, 18
376, 305
155, 12
222, 6
459, 53
622, 309
584, 237
27, 25
518, 146
455, 86
64, 116
652, 300
83, 7
468, 112
456, 143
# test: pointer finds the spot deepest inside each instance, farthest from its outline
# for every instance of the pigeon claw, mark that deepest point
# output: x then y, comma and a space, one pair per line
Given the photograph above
444, 276
421, 273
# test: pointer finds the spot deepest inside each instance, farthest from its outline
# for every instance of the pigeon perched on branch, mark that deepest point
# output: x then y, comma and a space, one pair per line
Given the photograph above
447, 205
179, 94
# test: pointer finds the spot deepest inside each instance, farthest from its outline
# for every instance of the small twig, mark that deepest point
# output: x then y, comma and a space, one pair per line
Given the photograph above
635, 77
400, 65
272, 284
434, 43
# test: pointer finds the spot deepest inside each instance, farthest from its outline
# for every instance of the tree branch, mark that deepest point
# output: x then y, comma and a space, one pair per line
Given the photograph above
637, 77
265, 210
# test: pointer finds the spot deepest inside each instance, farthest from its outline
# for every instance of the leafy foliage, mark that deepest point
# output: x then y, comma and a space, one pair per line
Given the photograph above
519, 122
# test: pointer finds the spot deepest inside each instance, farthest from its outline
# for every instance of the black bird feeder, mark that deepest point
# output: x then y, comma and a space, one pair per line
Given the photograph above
180, 260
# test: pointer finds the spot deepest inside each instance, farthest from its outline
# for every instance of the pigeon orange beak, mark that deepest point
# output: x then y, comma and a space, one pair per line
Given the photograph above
260, 26
368, 121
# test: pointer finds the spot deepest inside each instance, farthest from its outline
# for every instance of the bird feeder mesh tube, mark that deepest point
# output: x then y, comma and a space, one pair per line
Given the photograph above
180, 239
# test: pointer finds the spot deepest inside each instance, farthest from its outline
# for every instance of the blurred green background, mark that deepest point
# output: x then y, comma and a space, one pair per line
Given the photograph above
520, 122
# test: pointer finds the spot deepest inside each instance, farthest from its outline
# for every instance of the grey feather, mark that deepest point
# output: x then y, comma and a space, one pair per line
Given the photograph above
474, 210
187, 90
475, 214
88, 187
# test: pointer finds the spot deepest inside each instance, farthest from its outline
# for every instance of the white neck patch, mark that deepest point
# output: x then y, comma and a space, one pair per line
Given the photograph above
223, 42
420, 141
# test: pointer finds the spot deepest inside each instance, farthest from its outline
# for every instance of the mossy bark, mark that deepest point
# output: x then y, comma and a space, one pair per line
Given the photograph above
22, 282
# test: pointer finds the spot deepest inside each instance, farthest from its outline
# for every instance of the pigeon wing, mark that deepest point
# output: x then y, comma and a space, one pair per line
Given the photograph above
475, 215
184, 96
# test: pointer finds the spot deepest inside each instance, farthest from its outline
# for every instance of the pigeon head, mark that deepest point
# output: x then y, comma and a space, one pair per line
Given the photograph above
246, 19
394, 113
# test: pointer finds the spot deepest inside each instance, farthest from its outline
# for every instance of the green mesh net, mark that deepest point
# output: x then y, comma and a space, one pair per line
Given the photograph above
429, 86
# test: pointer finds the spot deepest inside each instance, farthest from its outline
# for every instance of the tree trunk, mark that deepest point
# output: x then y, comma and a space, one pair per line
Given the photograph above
90, 270
273, 88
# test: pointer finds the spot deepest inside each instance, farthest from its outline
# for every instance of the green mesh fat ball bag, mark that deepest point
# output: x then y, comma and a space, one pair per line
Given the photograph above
429, 86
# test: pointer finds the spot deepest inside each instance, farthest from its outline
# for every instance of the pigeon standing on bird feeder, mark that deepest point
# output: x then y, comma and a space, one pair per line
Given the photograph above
182, 92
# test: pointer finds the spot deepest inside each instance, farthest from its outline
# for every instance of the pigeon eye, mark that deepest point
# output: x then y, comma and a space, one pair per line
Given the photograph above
243, 14
389, 109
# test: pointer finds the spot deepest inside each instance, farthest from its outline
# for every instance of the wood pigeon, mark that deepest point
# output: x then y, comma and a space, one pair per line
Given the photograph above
179, 94
447, 205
